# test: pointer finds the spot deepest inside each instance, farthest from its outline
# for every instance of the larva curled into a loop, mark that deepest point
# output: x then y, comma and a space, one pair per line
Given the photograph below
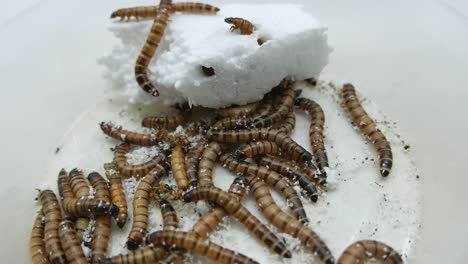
262, 147
70, 243
190, 242
151, 11
191, 163
139, 170
368, 128
178, 168
207, 163
238, 111
285, 222
365, 250
148, 254
37, 249
167, 122
243, 25
117, 193
126, 136
317, 121
235, 208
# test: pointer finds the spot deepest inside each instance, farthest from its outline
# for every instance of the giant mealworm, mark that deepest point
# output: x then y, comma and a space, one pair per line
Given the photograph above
255, 148
178, 167
141, 201
152, 11
167, 122
207, 163
81, 190
169, 215
126, 136
368, 128
238, 111
272, 178
235, 208
117, 193
71, 243
139, 170
245, 27
149, 254
191, 163
288, 124
317, 121
365, 250
190, 242
36, 243
52, 216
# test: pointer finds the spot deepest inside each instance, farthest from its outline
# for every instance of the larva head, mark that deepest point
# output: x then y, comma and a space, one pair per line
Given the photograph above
216, 9
75, 172
229, 20
306, 156
297, 93
132, 245
239, 155
113, 210
190, 196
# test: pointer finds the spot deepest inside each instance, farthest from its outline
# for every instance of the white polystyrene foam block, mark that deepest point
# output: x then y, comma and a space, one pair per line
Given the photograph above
244, 71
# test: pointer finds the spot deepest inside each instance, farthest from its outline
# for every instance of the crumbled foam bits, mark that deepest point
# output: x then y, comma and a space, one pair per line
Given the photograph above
296, 45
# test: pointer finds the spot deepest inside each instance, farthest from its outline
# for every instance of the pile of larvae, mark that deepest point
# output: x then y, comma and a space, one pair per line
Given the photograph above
251, 140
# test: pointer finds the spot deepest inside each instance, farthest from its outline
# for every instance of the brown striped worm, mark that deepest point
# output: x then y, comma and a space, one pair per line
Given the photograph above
368, 128
235, 208
37, 249
279, 165
178, 167
288, 124
71, 243
365, 250
243, 25
102, 226
150, 46
152, 11
238, 111
126, 136
190, 242
148, 254
117, 193
53, 217
169, 215
80, 189
272, 178
255, 148
285, 222
139, 170
207, 163
167, 122
286, 143
191, 163
141, 201
317, 121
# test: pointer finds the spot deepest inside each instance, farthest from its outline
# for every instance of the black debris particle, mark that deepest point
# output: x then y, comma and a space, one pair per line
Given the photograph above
57, 150
417, 177
208, 71
406, 147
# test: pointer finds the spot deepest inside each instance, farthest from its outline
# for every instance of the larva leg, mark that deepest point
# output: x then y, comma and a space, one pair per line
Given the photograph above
368, 128
80, 189
167, 122
245, 27
149, 254
117, 193
365, 250
255, 148
191, 163
207, 163
178, 167
37, 248
127, 170
131, 137
70, 243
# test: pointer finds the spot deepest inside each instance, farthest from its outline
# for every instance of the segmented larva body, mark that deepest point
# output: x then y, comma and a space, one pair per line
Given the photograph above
71, 243
365, 250
368, 128
262, 147
102, 226
117, 193
235, 208
149, 254
190, 242
238, 111
317, 121
286, 143
81, 190
132, 137
288, 124
151, 44
207, 163
272, 178
191, 163
65, 191
167, 122
211, 219
139, 170
141, 201
178, 168
245, 27
53, 217
169, 215
37, 248
285, 169
152, 11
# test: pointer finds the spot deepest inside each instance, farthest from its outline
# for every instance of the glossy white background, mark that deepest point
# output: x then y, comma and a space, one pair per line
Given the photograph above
409, 57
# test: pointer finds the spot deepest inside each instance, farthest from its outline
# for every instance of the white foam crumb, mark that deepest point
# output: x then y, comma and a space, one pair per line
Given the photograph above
142, 154
244, 71
332, 179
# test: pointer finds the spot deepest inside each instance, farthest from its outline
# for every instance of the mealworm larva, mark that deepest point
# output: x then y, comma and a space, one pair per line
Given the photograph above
149, 254
167, 122
152, 11
287, 223
139, 170
235, 208
52, 216
117, 193
255, 148
245, 27
178, 167
190, 242
288, 124
70, 243
285, 169
211, 219
151, 44
126, 136
286, 143
238, 111
81, 190
191, 163
365, 250
207, 163
312, 81
140, 205
36, 243
272, 178
368, 128
169, 215
317, 121
102, 226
